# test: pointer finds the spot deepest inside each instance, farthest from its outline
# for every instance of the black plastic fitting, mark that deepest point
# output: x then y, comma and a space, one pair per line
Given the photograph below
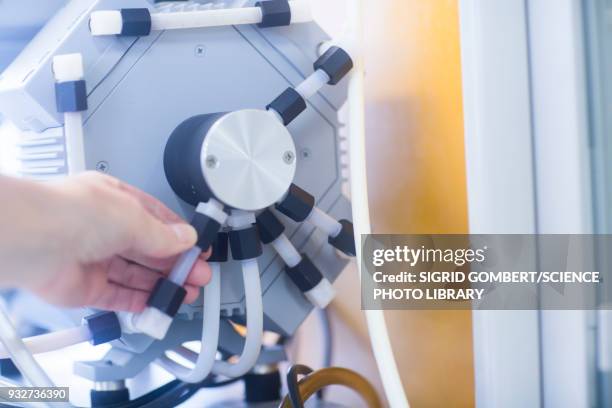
288, 105
104, 327
261, 388
109, 398
336, 63
245, 243
71, 96
219, 248
136, 22
8, 368
269, 226
345, 240
305, 274
297, 205
207, 229
274, 13
167, 297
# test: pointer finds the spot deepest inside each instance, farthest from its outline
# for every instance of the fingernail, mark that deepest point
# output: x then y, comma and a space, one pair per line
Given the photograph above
185, 233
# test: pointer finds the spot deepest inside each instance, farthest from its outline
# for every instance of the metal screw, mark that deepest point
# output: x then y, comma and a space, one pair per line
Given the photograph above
288, 157
212, 162
102, 166
200, 50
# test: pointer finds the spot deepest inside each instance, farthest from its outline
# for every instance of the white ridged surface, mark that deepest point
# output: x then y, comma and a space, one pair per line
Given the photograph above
40, 156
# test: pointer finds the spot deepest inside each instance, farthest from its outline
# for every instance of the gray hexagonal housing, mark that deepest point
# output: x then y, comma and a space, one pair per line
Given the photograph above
140, 89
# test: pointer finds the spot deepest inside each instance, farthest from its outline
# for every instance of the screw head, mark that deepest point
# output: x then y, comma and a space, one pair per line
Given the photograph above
212, 162
102, 166
288, 157
199, 50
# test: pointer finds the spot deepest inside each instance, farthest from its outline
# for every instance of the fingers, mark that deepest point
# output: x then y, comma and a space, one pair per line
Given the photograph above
153, 205
150, 237
192, 294
200, 274
157, 264
132, 275
105, 217
140, 277
120, 299
137, 277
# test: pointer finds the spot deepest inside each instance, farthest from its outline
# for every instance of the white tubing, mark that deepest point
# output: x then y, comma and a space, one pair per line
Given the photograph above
312, 84
254, 308
323, 221
53, 341
286, 250
75, 149
20, 354
152, 321
205, 18
377, 327
110, 22
69, 67
300, 13
210, 334
184, 265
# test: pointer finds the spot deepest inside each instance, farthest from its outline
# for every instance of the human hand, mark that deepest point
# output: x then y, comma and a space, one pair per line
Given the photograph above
92, 240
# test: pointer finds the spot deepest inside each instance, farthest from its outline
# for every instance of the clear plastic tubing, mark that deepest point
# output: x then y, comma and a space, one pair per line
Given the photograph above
184, 265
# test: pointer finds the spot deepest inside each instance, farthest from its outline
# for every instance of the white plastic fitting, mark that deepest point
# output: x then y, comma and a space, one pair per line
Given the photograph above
286, 250
105, 22
68, 67
213, 209
312, 84
241, 219
153, 322
322, 294
323, 221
